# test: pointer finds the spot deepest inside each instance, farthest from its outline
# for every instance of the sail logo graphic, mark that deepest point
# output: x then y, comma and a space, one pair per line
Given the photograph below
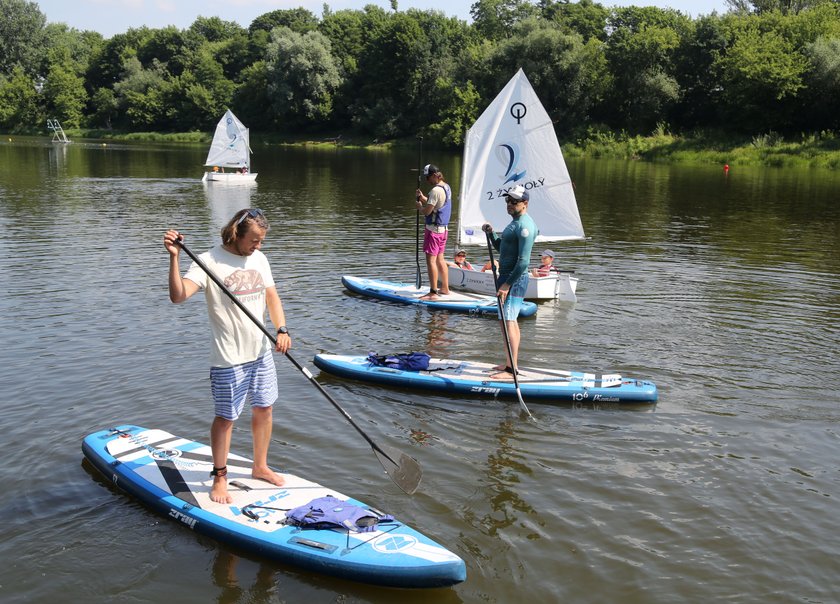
394, 544
508, 155
518, 111
231, 132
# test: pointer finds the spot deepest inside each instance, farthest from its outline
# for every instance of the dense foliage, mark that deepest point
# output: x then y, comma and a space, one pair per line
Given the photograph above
766, 66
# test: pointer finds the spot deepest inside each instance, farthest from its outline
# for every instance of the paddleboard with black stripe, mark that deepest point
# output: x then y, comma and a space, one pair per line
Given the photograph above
171, 475
480, 379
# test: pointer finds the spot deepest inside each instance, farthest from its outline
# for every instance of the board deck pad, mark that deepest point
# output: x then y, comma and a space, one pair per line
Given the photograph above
449, 375
407, 293
172, 475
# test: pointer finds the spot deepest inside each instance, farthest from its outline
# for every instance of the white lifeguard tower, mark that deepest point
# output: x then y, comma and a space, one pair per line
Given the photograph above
58, 132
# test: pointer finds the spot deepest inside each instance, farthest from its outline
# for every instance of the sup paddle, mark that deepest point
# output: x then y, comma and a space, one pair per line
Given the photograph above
404, 470
418, 280
505, 329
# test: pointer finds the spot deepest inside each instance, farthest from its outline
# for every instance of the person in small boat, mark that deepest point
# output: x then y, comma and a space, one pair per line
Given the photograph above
546, 266
460, 260
488, 266
437, 208
514, 247
241, 361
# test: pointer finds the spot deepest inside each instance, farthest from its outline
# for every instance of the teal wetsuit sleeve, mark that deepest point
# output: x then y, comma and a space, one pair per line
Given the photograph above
526, 236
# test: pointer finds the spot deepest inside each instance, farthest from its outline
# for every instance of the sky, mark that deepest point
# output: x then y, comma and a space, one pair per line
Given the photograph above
110, 17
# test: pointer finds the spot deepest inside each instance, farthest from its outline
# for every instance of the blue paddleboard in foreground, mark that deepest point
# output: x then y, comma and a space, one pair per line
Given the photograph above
406, 293
545, 385
171, 475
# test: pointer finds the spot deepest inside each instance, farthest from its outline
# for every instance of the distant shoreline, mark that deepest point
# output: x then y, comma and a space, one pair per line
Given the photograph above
815, 150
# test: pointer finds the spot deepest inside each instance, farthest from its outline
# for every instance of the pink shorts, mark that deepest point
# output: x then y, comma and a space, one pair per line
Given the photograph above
434, 244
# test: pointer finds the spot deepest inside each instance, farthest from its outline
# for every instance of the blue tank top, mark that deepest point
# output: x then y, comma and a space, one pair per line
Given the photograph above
441, 217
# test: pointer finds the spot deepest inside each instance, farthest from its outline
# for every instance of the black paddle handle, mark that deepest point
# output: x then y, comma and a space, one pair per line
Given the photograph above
418, 281
492, 263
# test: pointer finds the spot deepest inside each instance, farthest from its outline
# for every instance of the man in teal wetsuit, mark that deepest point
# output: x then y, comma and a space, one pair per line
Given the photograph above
514, 247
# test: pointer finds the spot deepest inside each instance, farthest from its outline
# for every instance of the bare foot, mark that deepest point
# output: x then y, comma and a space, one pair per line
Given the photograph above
503, 372
268, 475
429, 296
219, 492
501, 375
444, 293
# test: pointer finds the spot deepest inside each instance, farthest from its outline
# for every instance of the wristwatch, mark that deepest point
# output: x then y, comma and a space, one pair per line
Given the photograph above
282, 330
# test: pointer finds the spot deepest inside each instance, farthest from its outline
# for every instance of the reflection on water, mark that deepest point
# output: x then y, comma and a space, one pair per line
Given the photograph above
227, 576
224, 200
722, 290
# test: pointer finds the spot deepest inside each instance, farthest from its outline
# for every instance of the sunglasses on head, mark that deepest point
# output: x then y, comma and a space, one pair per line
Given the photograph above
253, 213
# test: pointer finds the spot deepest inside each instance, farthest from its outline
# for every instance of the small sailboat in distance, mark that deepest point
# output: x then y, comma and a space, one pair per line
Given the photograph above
229, 158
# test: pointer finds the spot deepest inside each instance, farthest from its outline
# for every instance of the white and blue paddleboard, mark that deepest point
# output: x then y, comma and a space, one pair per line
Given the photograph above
171, 475
467, 377
407, 293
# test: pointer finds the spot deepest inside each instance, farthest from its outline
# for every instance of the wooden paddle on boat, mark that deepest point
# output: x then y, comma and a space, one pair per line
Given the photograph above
404, 470
505, 329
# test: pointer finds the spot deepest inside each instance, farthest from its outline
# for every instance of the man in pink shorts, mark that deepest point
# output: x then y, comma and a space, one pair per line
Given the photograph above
437, 207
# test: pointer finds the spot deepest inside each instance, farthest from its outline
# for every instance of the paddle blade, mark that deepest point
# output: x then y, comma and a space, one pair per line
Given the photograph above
403, 470
523, 406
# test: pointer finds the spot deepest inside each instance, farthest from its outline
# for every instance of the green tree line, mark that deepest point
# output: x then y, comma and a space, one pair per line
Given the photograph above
765, 65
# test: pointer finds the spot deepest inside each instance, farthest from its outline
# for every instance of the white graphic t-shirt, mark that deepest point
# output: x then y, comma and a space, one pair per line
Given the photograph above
236, 339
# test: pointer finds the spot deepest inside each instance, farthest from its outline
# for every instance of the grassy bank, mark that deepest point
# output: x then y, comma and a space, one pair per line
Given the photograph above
809, 150
820, 150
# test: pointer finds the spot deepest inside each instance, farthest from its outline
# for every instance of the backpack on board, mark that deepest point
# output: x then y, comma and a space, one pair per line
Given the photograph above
411, 361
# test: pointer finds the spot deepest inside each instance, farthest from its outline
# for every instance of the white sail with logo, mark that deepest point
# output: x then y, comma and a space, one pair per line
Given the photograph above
514, 143
231, 151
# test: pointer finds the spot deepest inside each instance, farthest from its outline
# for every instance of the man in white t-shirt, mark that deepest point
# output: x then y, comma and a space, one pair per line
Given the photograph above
241, 361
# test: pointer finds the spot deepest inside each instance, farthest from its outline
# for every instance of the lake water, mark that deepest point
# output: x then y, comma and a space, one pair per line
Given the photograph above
722, 289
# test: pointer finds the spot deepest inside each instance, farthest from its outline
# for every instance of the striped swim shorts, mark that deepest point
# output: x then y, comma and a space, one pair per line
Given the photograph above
231, 386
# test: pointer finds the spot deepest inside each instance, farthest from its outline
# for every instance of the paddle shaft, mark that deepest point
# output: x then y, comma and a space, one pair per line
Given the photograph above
272, 338
418, 281
505, 329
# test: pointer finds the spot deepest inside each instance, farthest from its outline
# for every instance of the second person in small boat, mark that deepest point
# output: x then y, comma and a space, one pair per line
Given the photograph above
546, 266
460, 260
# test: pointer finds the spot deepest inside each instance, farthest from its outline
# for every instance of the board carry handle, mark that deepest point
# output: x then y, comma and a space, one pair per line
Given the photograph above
505, 330
403, 469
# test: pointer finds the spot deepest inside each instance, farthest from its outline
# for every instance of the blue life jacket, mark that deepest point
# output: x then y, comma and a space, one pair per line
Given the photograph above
441, 217
332, 513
